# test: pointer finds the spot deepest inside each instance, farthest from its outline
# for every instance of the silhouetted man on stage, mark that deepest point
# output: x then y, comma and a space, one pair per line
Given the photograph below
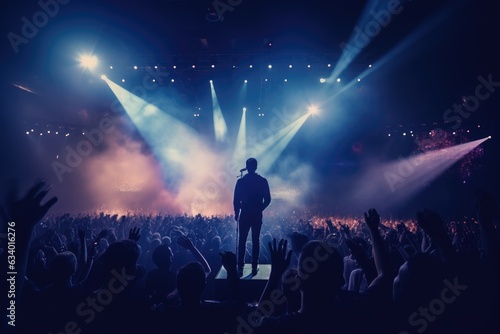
251, 197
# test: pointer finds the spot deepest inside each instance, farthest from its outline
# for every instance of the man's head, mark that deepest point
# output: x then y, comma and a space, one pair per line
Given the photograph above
251, 165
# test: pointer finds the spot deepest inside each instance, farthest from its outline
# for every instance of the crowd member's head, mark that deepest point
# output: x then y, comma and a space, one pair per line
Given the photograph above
320, 269
163, 257
191, 283
122, 254
419, 280
63, 267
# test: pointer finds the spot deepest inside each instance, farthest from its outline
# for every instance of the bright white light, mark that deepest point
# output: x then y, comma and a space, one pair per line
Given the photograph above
41, 134
48, 131
265, 79
194, 66
156, 66
322, 80
286, 80
246, 81
338, 79
67, 134
213, 66
57, 132
111, 67
308, 66
404, 133
290, 66
329, 65
172, 80
211, 81
269, 66
370, 65
88, 61
32, 130
135, 67
251, 66
389, 135
123, 80
103, 77
489, 137
359, 80
174, 67
244, 109
27, 132
313, 109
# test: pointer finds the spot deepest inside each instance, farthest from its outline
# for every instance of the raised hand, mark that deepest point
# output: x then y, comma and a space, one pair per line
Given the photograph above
346, 232
280, 259
134, 234
372, 219
28, 210
185, 242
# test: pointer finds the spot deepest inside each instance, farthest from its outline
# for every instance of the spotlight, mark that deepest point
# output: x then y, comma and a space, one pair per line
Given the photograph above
322, 80
244, 109
269, 66
404, 133
370, 65
41, 134
388, 135
213, 66
251, 66
103, 77
329, 65
286, 80
156, 67
123, 80
88, 61
194, 66
489, 137
48, 132
308, 66
57, 132
174, 67
234, 66
359, 80
27, 132
245, 81
338, 79
290, 66
313, 109
32, 130
111, 67
154, 80
211, 81
67, 135
172, 80
135, 67
265, 79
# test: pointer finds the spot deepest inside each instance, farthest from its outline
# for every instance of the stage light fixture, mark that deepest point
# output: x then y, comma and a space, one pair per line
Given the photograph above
322, 80
313, 109
103, 77
88, 61
338, 79
135, 67
245, 81
269, 66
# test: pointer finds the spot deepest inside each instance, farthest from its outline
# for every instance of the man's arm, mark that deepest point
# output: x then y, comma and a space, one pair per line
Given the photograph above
237, 200
267, 195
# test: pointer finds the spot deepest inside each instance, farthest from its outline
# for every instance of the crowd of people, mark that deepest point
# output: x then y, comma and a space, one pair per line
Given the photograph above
155, 273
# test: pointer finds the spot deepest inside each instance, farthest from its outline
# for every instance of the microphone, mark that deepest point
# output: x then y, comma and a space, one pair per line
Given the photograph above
242, 170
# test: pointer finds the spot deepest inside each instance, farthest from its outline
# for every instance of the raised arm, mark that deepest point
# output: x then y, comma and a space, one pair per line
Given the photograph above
380, 251
188, 244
